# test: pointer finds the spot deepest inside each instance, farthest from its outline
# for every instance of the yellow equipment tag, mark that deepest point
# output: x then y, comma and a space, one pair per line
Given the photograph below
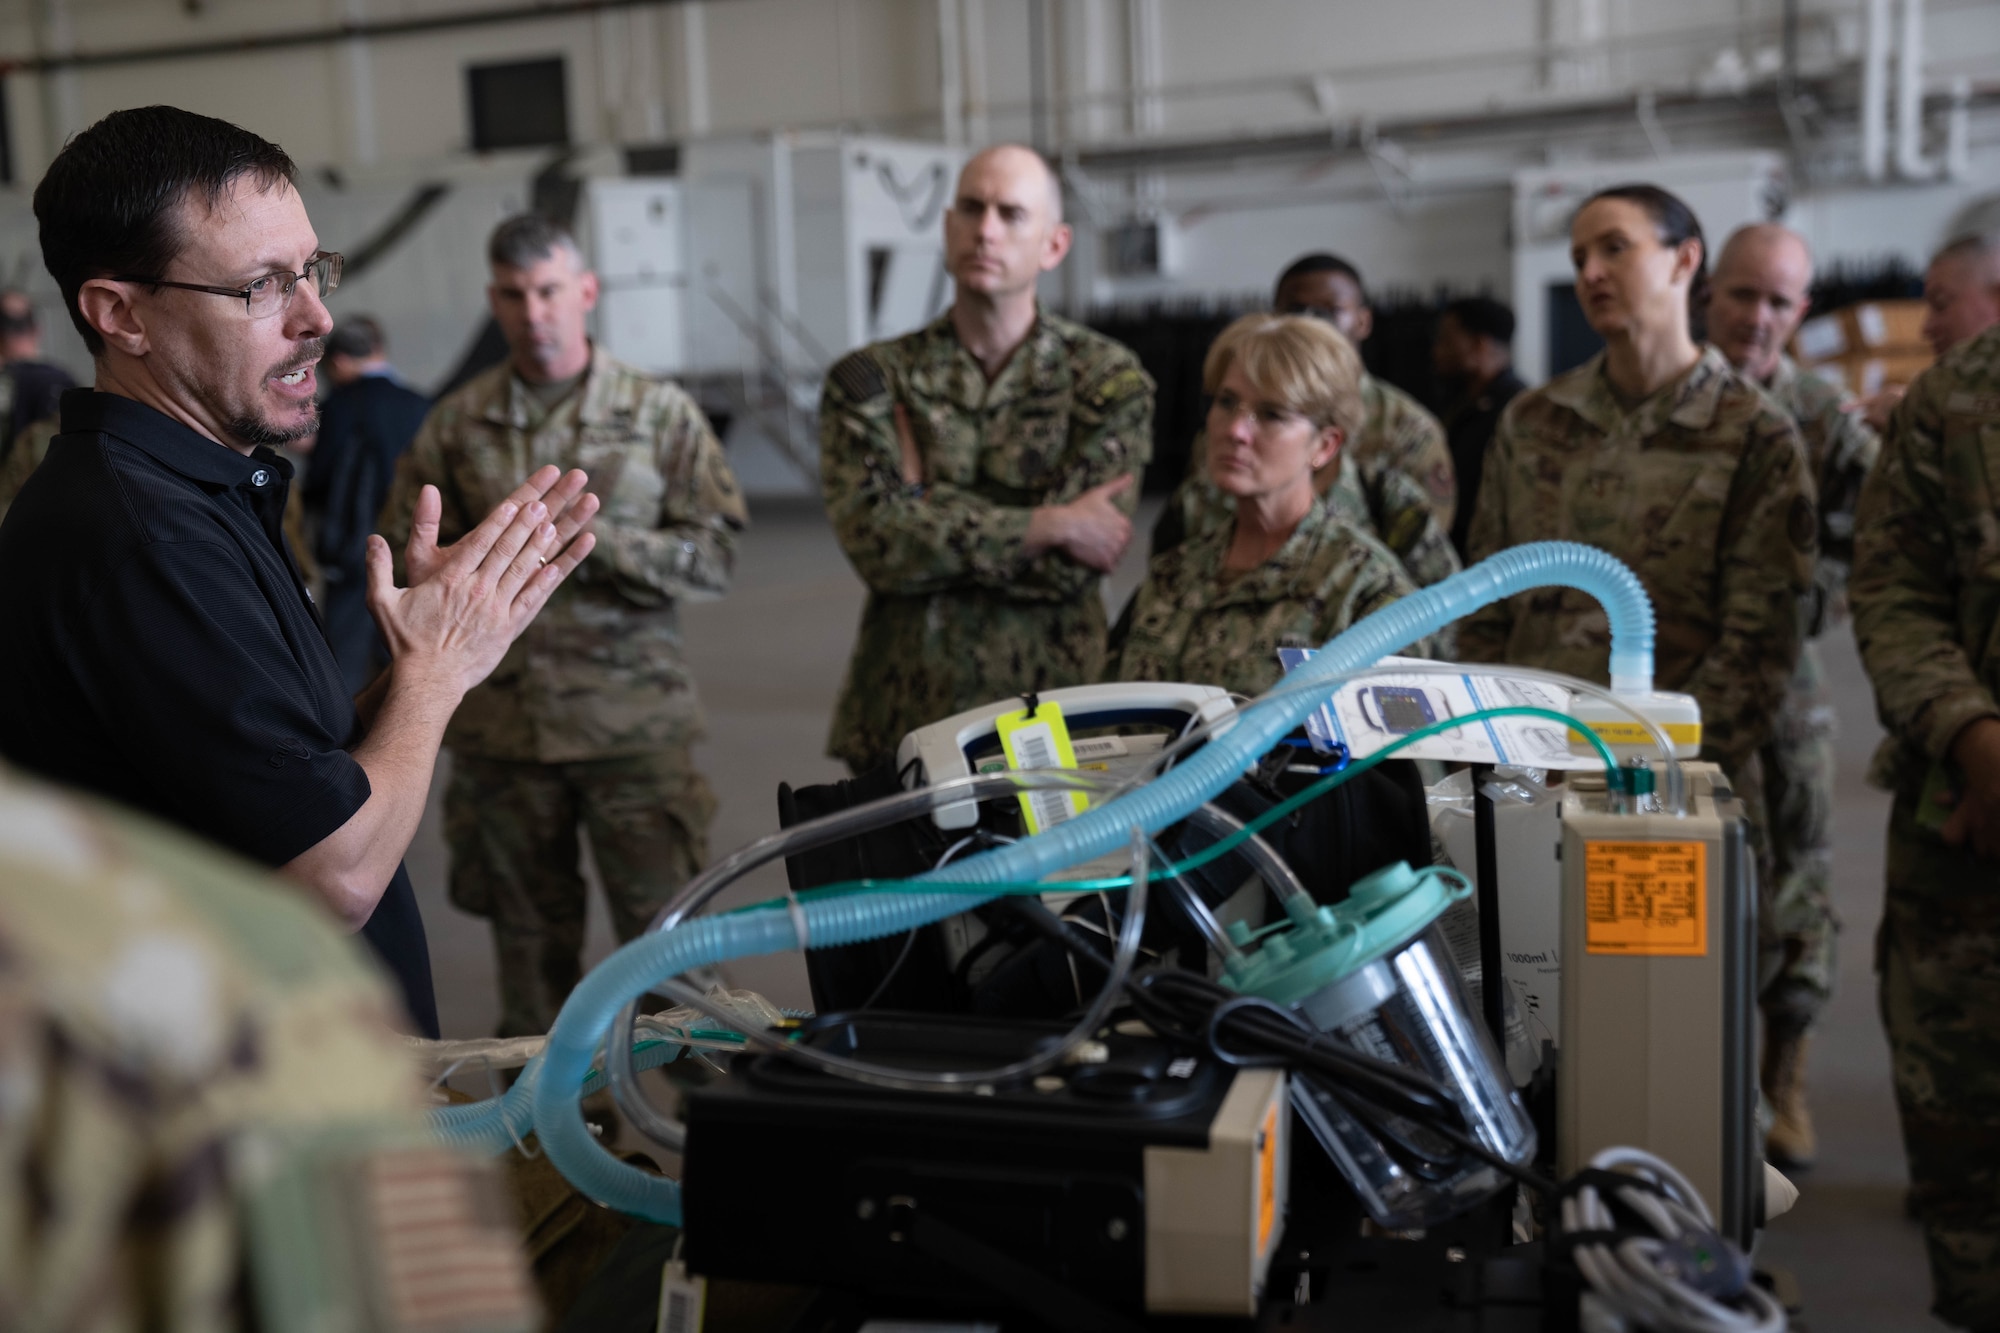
1041, 740
1646, 898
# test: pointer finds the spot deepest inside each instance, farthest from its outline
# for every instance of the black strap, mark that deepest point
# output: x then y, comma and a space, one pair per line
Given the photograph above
1607, 1183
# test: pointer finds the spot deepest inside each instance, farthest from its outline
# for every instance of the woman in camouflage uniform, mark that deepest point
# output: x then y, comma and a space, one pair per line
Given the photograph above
1287, 571
1658, 451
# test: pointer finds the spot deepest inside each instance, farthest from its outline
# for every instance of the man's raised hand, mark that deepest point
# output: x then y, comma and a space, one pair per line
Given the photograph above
467, 602
561, 492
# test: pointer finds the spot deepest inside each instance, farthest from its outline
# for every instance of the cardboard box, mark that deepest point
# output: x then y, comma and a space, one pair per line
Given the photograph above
1864, 374
1883, 328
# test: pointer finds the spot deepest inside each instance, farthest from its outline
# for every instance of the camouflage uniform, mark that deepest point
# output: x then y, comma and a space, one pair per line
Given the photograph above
1798, 761
1387, 504
1703, 491
30, 447
206, 1119
1190, 621
1398, 435
1926, 591
955, 616
591, 715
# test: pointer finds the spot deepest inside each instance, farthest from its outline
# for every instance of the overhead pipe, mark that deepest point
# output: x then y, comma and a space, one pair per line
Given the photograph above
951, 73
323, 35
1958, 131
1875, 93
1911, 164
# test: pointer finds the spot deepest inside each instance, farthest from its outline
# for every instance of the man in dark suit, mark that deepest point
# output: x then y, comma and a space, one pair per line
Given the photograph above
35, 384
365, 425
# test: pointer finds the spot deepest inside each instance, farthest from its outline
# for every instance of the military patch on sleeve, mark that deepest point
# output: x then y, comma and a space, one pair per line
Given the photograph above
1119, 384
356, 1226
859, 376
1801, 524
1963, 404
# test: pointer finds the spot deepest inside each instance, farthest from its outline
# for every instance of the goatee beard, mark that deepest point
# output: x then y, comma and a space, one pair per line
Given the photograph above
255, 430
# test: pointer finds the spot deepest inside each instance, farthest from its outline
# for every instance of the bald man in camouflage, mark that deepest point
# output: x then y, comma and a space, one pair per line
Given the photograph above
981, 474
1759, 296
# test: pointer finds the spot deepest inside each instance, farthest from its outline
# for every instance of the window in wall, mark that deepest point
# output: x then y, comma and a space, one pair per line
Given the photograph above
6, 139
522, 104
1571, 339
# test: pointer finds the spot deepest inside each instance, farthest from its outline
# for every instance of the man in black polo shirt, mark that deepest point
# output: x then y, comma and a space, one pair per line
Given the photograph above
160, 647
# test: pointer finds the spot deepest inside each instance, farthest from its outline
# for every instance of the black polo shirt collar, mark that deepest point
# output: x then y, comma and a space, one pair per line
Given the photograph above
259, 484
185, 450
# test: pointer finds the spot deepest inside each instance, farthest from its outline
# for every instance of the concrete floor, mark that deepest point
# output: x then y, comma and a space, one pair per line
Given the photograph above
769, 659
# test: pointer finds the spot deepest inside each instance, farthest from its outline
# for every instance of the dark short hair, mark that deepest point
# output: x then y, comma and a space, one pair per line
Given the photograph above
526, 239
108, 203
17, 313
1673, 222
358, 336
1321, 263
1483, 317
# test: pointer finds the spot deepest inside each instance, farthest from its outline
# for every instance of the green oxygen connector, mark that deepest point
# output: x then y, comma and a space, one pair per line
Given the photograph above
1634, 778
1316, 948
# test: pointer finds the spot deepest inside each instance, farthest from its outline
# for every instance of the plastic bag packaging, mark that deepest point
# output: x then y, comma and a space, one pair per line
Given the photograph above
683, 1025
1526, 833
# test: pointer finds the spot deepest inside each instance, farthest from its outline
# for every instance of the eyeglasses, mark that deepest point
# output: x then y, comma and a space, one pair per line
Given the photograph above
268, 294
1261, 414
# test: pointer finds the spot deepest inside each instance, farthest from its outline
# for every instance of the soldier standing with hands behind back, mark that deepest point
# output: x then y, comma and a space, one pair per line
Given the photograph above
590, 717
981, 474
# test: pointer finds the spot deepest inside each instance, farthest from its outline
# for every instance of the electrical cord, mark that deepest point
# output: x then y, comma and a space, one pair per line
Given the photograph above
978, 836
1646, 1247
1397, 1103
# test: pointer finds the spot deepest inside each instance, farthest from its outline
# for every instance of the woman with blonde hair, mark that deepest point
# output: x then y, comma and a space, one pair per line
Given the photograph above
1286, 571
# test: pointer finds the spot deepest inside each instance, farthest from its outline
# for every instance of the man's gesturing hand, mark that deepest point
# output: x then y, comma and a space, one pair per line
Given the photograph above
467, 602
1090, 529
562, 492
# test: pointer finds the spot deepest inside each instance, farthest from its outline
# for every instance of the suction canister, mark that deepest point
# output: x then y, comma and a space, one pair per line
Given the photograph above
1376, 974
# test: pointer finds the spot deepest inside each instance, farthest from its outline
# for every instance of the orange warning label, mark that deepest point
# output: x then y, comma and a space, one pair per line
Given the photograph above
1646, 898
1267, 1178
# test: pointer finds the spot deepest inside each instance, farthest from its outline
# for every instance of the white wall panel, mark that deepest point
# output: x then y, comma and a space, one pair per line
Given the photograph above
1243, 67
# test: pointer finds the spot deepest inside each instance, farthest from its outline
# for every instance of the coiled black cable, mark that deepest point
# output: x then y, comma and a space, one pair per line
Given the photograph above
1399, 1105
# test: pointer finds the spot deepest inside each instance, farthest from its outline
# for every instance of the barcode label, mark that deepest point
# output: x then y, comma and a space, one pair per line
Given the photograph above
681, 1299
1034, 747
1051, 807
